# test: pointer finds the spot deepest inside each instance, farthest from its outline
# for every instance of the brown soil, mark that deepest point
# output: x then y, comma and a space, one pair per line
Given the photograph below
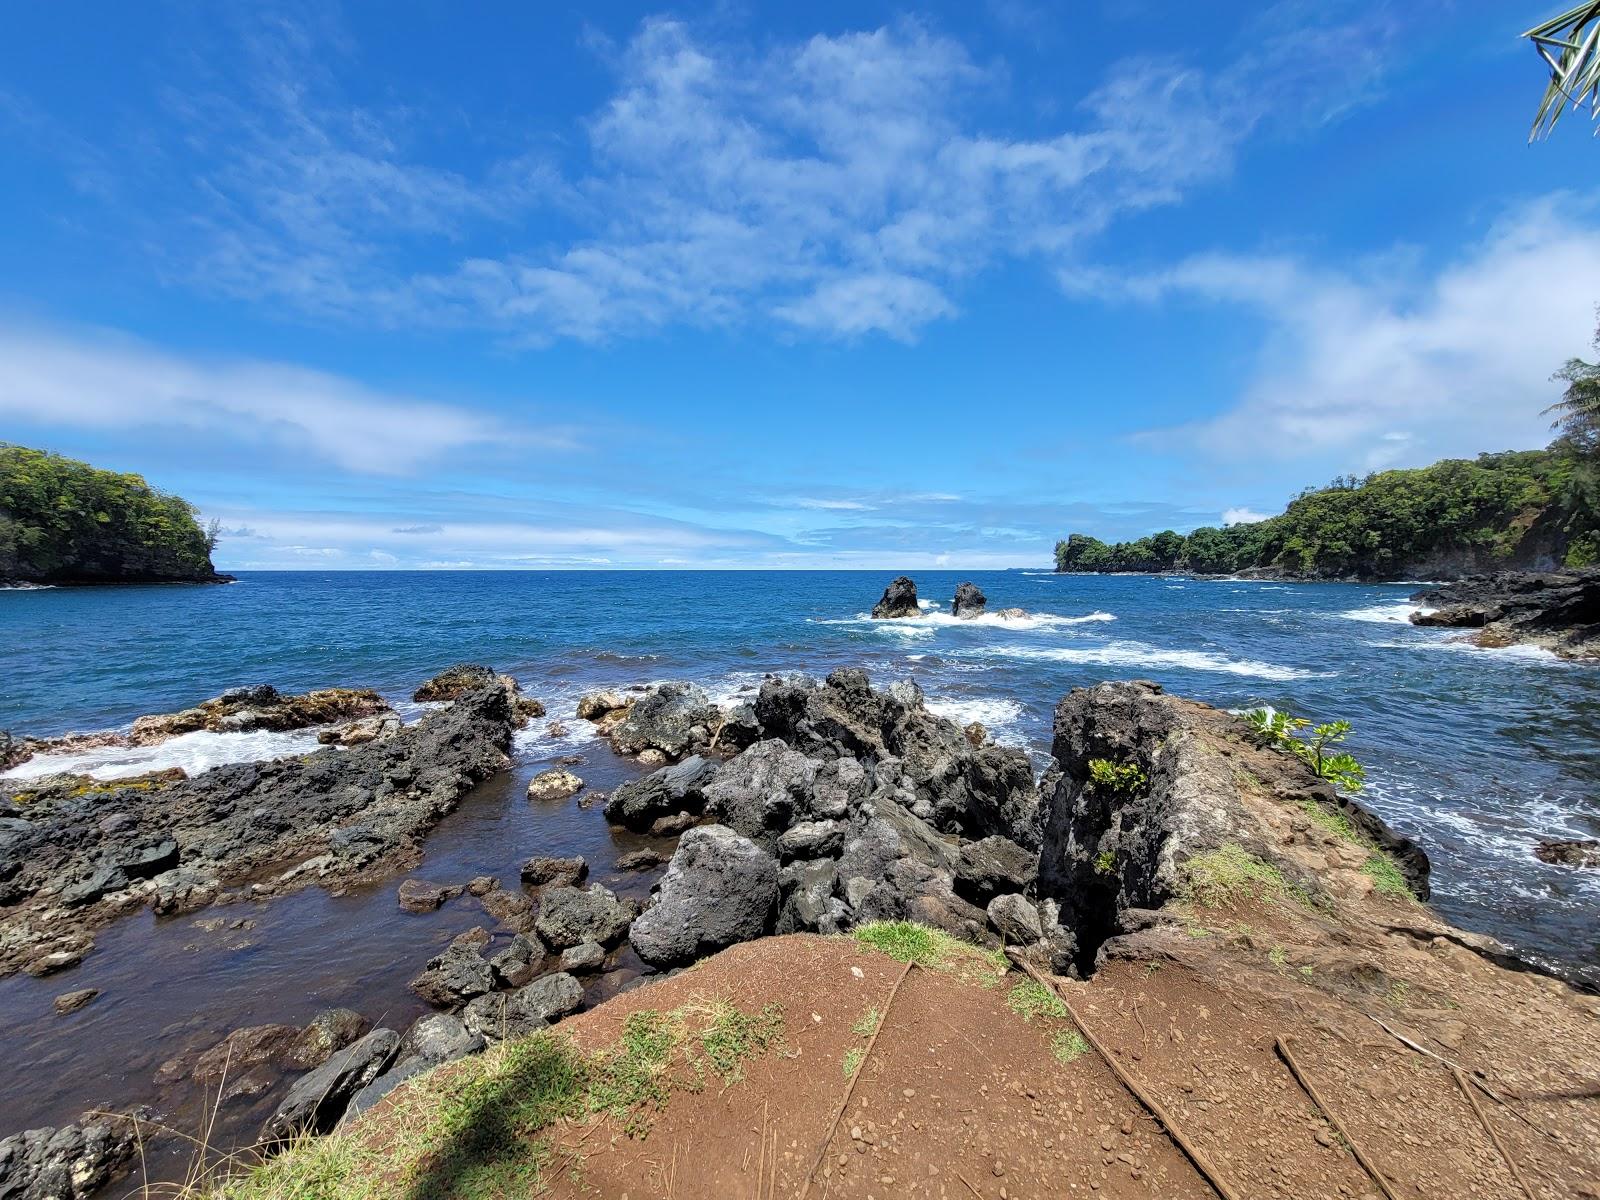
962, 1097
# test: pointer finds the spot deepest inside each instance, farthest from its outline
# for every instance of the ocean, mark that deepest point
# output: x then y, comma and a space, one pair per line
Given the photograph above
1476, 754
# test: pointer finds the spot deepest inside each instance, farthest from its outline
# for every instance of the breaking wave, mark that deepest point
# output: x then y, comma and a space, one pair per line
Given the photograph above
194, 752
1138, 654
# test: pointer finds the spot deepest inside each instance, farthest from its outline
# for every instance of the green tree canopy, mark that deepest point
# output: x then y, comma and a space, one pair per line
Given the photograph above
63, 521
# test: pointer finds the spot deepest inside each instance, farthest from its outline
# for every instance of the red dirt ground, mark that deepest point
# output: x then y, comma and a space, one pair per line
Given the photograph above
962, 1097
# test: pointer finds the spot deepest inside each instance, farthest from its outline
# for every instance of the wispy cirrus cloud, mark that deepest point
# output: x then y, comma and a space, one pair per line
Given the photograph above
97, 380
838, 186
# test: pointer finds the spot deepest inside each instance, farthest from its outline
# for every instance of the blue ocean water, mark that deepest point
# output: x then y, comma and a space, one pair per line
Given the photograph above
1478, 754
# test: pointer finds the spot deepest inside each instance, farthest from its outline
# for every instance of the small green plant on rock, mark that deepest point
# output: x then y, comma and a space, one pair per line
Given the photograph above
1120, 779
1104, 862
1279, 729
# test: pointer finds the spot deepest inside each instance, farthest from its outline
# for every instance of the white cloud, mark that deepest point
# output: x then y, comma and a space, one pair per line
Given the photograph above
1243, 516
839, 505
839, 186
1398, 364
101, 381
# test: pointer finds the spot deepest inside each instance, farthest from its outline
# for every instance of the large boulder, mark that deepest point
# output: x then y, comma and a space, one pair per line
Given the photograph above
994, 865
330, 1030
719, 889
518, 962
769, 788
545, 870
1569, 853
673, 718
597, 706
960, 788
454, 682
527, 1010
454, 977
570, 916
897, 867
67, 1163
969, 602
464, 678
899, 600
639, 803
439, 1038
554, 784
319, 1098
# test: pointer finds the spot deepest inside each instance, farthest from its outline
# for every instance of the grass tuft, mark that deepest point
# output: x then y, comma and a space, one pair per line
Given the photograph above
1068, 1046
1332, 820
1386, 877
867, 1025
1029, 1000
852, 1061
907, 941
1231, 873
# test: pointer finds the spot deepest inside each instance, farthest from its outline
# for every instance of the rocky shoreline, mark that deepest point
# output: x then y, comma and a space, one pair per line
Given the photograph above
814, 806
77, 853
1557, 610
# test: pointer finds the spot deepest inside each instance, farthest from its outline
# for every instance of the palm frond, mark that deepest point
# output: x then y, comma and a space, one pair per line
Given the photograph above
1570, 47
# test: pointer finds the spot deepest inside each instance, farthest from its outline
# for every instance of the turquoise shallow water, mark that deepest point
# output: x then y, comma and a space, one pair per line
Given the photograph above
1476, 753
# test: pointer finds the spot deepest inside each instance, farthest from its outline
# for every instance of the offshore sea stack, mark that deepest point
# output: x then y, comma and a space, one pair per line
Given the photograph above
1559, 610
969, 602
899, 600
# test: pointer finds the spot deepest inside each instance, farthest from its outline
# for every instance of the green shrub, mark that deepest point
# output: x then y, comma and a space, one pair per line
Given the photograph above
1273, 727
1120, 779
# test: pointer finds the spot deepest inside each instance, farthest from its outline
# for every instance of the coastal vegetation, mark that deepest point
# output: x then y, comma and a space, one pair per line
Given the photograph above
1516, 508
1311, 744
64, 521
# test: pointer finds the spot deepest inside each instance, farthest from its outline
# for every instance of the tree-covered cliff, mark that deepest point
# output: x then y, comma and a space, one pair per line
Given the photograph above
1532, 508
63, 521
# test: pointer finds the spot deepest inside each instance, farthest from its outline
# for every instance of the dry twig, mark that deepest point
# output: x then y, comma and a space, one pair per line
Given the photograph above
1367, 1164
833, 1125
1201, 1163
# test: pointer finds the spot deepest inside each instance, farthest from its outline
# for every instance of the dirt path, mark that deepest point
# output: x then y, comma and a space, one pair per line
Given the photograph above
964, 1096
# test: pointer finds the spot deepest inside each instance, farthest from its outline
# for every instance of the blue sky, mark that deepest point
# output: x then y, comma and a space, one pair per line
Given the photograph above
517, 285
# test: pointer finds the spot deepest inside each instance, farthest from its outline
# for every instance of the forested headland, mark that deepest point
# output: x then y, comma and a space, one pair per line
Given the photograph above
64, 521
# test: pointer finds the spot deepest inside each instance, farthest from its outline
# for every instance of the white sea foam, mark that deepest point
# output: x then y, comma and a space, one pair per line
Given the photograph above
1140, 655
928, 623
1461, 645
27, 587
995, 713
194, 752
1391, 612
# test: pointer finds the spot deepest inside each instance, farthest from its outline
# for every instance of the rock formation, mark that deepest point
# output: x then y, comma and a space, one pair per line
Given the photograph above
899, 600
1557, 610
239, 710
74, 853
969, 602
69, 1163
